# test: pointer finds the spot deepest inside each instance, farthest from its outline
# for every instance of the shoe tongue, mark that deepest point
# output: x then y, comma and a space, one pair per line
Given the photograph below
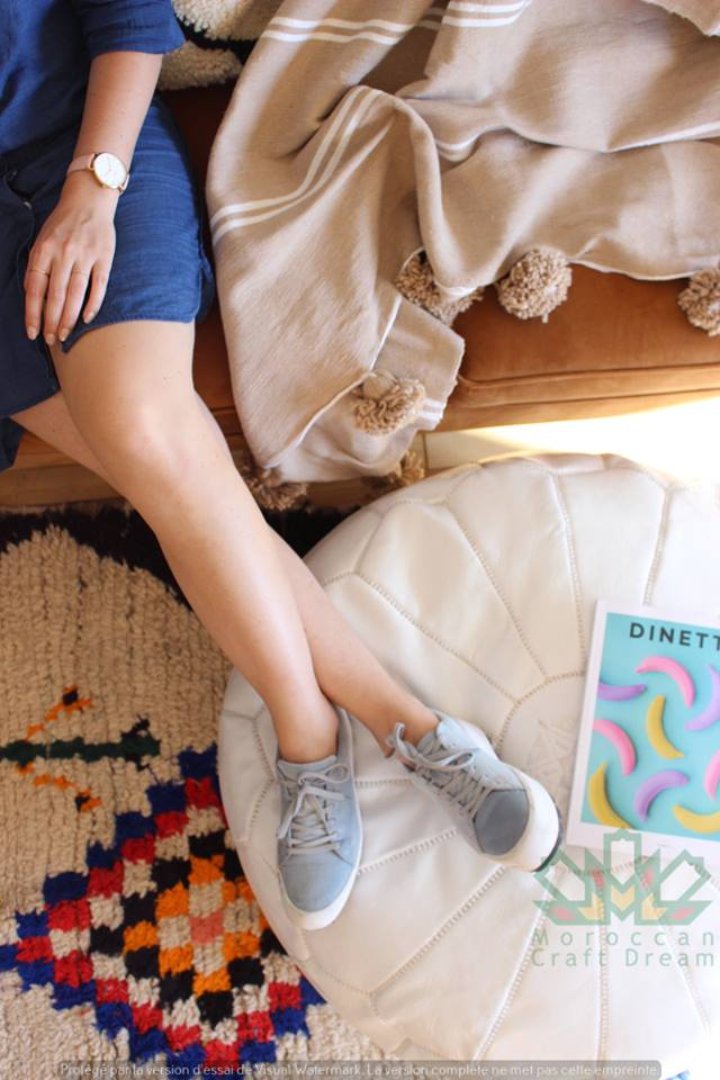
445, 736
429, 742
294, 769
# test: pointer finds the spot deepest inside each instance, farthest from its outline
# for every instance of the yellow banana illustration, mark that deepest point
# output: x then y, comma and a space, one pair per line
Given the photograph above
599, 802
702, 823
656, 731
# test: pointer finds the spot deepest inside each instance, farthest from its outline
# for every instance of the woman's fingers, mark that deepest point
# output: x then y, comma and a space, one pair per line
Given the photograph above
98, 287
60, 290
76, 289
68, 265
55, 298
36, 285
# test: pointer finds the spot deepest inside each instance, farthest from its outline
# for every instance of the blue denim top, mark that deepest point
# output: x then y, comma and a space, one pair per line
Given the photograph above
46, 47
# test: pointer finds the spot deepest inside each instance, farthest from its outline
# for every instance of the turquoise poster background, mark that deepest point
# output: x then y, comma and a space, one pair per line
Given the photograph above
629, 641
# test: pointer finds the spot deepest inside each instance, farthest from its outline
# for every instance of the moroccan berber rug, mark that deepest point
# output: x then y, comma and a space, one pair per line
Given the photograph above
128, 932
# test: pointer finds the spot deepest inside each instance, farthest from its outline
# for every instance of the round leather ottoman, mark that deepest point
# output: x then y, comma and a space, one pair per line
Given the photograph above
476, 588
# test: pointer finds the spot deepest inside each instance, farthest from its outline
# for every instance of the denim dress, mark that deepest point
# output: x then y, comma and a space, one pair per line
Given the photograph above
160, 270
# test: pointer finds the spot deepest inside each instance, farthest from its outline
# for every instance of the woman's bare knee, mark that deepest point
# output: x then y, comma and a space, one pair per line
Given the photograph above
129, 394
129, 390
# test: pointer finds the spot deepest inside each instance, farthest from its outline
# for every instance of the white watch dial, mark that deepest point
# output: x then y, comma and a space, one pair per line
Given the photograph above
109, 170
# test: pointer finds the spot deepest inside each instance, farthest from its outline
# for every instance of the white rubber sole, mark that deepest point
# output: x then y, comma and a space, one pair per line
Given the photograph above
318, 920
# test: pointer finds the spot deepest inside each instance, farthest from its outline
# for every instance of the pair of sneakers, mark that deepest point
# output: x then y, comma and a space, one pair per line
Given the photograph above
504, 814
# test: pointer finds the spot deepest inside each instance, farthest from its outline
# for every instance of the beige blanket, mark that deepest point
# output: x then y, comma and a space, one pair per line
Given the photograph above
362, 132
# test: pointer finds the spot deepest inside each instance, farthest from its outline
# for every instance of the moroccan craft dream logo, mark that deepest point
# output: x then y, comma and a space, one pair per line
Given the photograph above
643, 889
657, 899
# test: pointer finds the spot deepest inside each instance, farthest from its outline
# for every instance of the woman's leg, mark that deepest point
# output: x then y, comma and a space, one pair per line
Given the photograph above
346, 671
129, 391
128, 388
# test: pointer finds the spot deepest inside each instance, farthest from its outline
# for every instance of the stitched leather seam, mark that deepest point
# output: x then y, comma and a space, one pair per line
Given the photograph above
260, 745
659, 547
482, 1050
440, 932
411, 849
572, 560
256, 806
602, 996
500, 594
394, 603
498, 741
685, 972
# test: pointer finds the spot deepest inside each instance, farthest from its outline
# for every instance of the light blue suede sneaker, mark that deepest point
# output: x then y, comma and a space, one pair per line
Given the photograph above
504, 814
320, 833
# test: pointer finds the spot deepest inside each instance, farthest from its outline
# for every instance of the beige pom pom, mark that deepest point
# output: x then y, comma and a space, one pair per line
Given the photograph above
416, 283
384, 403
277, 496
536, 285
701, 301
408, 471
267, 491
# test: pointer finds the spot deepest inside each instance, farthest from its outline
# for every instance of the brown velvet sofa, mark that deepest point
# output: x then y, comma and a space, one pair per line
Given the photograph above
616, 345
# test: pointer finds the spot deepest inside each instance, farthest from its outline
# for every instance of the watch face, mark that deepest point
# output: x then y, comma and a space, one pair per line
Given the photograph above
109, 170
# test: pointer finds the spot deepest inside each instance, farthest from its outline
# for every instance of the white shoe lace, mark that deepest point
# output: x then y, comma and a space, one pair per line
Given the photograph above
445, 770
308, 823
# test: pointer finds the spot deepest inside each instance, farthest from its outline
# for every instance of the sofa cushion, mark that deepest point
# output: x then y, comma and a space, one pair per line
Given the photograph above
615, 344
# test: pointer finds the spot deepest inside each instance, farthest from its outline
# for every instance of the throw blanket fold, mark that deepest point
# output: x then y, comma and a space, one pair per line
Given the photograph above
704, 13
362, 133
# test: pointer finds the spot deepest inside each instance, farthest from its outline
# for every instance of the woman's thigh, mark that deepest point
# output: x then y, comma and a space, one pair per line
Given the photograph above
129, 390
52, 420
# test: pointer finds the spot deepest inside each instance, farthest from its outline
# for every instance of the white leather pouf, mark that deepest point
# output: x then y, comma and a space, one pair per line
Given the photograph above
476, 588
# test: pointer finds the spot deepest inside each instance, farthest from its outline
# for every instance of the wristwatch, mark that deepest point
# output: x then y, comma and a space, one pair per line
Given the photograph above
107, 169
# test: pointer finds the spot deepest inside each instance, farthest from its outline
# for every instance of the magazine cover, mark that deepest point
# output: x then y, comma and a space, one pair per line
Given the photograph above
648, 754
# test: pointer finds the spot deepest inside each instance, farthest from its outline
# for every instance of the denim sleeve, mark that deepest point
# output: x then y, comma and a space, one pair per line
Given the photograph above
128, 25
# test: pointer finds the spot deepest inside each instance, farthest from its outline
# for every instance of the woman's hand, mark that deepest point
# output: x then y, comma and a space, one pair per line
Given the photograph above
74, 250
76, 245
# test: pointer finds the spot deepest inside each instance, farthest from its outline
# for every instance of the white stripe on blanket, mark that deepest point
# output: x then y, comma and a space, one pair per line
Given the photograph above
329, 138
458, 14
281, 203
460, 151
243, 223
493, 9
278, 35
480, 24
342, 24
282, 28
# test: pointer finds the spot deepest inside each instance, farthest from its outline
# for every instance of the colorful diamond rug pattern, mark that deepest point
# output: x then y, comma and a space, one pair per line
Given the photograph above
128, 932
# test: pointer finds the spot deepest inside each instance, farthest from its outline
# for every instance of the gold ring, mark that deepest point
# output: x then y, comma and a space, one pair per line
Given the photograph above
39, 271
